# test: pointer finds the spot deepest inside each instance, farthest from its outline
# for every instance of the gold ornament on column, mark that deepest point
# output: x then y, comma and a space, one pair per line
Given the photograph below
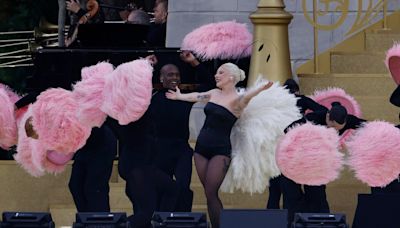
271, 56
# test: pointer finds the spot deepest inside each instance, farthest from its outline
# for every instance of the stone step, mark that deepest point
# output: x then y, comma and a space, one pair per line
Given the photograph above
353, 84
380, 41
63, 214
200, 198
378, 108
363, 62
119, 199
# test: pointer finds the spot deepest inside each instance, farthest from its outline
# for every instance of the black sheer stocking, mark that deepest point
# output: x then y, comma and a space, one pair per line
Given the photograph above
211, 174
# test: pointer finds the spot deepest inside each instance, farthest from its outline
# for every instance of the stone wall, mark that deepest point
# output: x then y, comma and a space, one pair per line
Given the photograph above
186, 15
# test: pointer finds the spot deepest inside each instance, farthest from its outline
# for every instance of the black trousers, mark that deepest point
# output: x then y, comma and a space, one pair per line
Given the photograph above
175, 158
91, 171
312, 199
150, 189
275, 192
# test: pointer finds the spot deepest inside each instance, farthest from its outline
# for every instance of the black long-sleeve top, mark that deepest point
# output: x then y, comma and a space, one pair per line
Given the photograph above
171, 117
319, 118
304, 103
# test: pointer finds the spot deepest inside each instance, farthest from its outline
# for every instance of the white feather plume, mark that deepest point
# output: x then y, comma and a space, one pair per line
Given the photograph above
254, 137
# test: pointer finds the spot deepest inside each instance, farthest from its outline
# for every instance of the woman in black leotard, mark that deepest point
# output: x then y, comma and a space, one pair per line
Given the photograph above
213, 148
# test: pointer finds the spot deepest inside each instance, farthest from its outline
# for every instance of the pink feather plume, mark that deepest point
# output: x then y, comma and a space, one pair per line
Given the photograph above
374, 153
55, 121
308, 154
327, 96
101, 68
11, 94
88, 93
25, 149
392, 62
223, 40
127, 91
8, 125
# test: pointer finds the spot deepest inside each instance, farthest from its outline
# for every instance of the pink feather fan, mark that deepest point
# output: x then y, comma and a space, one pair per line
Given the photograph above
100, 69
374, 153
11, 94
308, 154
25, 148
56, 123
88, 93
327, 96
223, 40
127, 91
31, 154
8, 126
392, 62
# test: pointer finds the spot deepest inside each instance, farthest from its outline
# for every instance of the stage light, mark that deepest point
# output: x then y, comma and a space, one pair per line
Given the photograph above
27, 219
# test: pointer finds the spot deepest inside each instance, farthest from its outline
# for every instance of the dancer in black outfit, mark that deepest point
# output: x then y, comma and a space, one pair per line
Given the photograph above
313, 199
154, 150
394, 186
145, 182
303, 103
91, 171
174, 154
213, 148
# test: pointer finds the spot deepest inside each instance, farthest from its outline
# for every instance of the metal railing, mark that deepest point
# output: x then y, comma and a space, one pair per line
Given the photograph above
15, 49
366, 12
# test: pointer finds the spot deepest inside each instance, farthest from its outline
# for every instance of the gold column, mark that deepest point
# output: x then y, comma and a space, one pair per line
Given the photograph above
271, 56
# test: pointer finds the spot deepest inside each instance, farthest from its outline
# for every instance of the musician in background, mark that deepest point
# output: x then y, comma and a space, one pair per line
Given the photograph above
158, 29
82, 12
118, 9
138, 17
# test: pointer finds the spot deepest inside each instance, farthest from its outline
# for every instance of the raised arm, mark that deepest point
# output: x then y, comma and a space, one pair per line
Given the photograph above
245, 99
191, 97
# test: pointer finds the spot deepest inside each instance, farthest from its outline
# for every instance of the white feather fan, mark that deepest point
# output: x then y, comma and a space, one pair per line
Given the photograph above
254, 138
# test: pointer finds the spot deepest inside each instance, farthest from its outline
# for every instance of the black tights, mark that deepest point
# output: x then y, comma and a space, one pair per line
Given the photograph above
143, 186
212, 173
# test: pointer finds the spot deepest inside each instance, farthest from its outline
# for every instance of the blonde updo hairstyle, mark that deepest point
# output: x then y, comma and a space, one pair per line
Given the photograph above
237, 73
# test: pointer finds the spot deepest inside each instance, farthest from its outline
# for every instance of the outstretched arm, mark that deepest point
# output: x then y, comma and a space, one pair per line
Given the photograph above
191, 97
245, 99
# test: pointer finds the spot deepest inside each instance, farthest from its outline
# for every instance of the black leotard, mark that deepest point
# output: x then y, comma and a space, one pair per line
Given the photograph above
214, 138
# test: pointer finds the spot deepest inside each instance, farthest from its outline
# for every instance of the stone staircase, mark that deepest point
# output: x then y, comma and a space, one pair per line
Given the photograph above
362, 74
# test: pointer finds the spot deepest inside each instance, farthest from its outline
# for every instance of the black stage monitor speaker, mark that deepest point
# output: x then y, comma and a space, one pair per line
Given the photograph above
179, 219
238, 218
325, 220
27, 219
377, 210
100, 219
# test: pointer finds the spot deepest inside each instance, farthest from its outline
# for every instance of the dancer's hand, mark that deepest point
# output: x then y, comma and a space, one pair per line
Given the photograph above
73, 6
152, 59
173, 95
188, 57
266, 86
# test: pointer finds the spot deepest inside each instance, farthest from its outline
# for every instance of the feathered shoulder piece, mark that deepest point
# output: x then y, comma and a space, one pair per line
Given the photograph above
254, 137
